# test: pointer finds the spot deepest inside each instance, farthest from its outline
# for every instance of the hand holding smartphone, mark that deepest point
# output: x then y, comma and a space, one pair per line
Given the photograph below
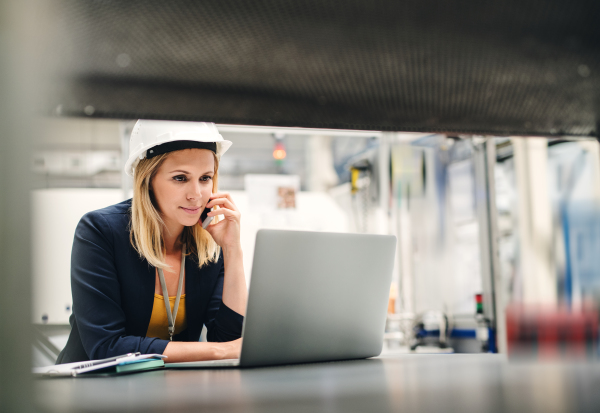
206, 220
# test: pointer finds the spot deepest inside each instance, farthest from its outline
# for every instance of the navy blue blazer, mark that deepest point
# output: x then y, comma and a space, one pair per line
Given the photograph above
113, 293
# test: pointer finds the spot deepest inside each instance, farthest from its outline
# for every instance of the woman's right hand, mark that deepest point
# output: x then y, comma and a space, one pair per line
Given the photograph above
228, 349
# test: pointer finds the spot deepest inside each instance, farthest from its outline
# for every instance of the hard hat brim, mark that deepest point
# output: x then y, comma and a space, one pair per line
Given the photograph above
140, 153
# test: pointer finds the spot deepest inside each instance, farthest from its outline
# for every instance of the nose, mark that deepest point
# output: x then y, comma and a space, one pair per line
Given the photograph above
194, 191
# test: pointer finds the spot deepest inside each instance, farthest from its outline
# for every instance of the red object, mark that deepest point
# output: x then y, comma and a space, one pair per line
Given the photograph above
279, 152
548, 333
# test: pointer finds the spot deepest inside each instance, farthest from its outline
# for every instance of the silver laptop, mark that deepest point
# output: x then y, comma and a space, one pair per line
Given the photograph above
314, 297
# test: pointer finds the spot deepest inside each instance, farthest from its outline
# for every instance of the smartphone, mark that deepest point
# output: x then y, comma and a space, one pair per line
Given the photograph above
205, 219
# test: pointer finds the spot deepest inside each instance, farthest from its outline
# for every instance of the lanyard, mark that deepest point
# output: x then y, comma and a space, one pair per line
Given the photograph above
172, 316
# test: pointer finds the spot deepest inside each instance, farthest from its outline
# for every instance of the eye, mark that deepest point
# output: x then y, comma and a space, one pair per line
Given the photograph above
206, 178
180, 178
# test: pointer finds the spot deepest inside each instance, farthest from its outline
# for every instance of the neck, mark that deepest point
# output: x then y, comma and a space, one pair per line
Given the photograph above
171, 238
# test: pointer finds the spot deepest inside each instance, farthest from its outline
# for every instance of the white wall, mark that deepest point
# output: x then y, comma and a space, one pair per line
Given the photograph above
56, 213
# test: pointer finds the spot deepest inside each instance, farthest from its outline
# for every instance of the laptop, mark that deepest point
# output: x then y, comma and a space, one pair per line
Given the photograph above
314, 297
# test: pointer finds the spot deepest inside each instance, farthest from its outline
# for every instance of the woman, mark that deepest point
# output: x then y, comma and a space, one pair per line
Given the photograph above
130, 259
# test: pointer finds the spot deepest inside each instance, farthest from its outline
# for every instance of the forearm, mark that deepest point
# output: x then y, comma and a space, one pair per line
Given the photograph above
235, 291
179, 351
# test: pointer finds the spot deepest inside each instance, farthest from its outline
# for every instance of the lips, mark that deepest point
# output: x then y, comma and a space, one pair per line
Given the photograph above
191, 210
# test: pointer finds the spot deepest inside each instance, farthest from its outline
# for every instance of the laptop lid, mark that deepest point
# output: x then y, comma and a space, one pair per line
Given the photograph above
317, 296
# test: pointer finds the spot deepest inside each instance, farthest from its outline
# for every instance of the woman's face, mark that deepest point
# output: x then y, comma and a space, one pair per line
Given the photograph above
182, 186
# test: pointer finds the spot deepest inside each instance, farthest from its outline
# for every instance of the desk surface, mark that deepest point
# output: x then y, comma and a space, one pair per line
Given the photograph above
408, 383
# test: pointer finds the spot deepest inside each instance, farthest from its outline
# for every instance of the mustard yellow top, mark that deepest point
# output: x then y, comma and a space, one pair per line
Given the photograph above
159, 323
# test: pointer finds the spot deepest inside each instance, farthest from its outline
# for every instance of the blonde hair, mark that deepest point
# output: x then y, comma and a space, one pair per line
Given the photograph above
146, 232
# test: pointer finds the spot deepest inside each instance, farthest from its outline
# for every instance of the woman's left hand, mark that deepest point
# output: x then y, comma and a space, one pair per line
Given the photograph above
226, 232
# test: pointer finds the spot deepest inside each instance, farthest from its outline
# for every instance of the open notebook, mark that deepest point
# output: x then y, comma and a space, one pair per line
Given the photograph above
127, 363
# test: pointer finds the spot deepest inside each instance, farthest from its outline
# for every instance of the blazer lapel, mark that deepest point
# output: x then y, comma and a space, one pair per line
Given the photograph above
146, 294
199, 285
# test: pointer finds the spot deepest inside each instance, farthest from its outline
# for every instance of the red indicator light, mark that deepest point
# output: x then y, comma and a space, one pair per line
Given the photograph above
479, 301
279, 151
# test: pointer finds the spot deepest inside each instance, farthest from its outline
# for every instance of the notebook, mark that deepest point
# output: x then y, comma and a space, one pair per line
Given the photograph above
126, 363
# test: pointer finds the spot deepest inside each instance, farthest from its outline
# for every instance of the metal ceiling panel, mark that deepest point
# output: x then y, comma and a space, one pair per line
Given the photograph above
525, 67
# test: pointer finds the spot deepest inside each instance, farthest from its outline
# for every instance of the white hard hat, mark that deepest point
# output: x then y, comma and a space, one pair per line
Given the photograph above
154, 137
